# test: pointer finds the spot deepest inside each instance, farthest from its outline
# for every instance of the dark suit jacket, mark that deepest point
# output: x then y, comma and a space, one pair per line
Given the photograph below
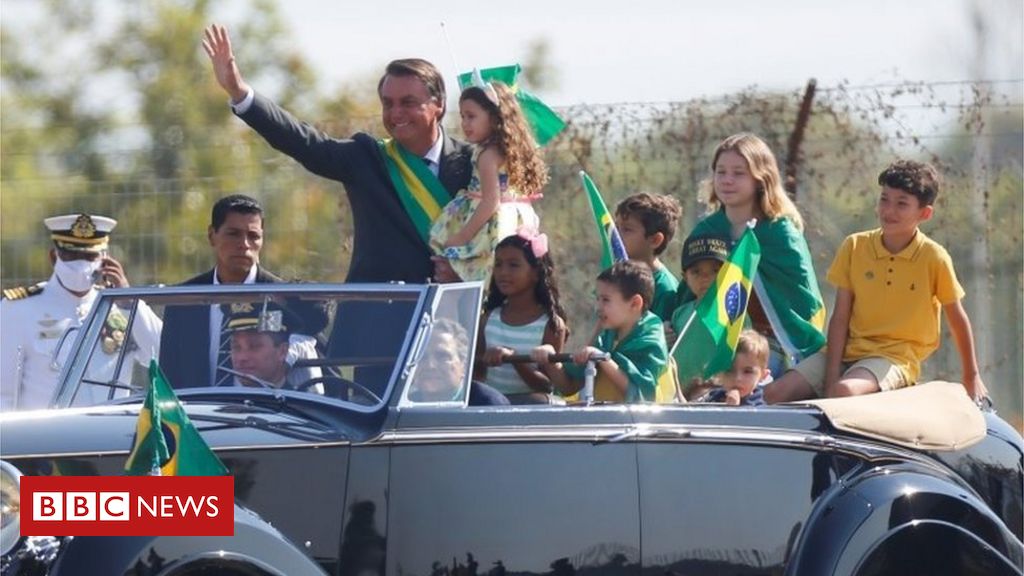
185, 340
386, 246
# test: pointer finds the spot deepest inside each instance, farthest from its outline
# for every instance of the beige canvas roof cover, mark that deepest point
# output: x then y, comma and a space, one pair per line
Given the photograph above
932, 416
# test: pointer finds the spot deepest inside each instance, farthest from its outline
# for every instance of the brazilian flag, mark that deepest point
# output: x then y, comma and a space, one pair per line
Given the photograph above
723, 309
612, 248
542, 119
166, 443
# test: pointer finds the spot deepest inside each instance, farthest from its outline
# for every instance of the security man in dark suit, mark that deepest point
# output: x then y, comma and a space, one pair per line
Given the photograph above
192, 334
393, 200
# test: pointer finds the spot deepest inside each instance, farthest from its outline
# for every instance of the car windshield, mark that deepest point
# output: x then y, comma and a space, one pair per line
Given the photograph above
348, 343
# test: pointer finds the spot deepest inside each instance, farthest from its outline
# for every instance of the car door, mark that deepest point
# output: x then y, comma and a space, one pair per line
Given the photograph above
720, 492
503, 489
499, 489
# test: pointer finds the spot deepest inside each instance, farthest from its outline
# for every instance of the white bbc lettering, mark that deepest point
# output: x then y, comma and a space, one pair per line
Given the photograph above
48, 506
213, 511
80, 506
168, 506
144, 504
114, 506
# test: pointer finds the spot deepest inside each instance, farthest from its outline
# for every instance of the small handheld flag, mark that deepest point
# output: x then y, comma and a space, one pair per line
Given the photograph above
723, 309
612, 248
166, 443
541, 118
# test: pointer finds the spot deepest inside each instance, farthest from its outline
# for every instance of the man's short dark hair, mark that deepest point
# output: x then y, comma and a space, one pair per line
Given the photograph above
422, 69
632, 278
239, 203
918, 179
656, 212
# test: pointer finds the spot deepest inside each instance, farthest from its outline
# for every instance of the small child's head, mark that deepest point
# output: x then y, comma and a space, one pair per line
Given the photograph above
744, 170
702, 258
647, 223
522, 263
749, 365
491, 116
624, 293
908, 193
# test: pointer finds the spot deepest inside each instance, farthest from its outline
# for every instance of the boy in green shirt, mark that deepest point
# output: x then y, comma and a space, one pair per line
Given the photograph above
647, 223
631, 334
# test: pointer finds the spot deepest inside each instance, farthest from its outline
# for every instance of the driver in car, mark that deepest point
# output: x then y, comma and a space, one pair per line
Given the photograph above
259, 345
442, 369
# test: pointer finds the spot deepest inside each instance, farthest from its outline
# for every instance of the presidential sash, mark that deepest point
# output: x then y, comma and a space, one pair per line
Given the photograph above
421, 193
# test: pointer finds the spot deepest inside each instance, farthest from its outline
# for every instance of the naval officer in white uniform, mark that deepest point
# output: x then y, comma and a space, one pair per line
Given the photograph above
33, 318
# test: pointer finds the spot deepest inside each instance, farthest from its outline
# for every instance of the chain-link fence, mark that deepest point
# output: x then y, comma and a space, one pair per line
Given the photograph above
971, 130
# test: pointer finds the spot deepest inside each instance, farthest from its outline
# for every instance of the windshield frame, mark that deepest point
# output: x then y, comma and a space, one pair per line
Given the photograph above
85, 343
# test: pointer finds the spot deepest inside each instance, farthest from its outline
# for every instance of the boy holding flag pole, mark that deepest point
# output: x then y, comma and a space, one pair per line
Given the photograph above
705, 348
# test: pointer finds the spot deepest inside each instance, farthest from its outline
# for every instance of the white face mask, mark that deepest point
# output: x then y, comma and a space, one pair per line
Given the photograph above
76, 275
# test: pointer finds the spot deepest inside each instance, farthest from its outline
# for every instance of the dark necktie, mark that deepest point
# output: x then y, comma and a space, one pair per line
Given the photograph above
220, 377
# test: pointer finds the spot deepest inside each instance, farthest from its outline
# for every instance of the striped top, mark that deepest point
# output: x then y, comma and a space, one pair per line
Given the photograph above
521, 339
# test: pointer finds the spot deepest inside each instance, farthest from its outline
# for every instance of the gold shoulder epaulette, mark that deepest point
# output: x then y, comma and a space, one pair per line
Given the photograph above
22, 292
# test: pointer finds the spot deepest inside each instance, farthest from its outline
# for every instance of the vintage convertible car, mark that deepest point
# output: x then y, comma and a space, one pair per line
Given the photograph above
380, 464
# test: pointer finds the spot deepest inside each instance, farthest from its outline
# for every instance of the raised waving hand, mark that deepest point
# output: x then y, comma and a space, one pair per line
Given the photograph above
217, 45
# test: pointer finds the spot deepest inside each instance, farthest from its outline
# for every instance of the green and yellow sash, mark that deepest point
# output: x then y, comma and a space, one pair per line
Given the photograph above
422, 194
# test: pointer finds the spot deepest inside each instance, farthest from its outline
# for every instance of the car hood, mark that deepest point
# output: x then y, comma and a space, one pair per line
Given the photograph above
110, 429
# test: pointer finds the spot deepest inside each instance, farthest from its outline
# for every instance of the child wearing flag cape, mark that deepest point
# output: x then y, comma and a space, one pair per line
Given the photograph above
786, 304
632, 335
508, 174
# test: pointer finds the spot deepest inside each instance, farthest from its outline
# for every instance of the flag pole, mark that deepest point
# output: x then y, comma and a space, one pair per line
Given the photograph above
679, 337
451, 51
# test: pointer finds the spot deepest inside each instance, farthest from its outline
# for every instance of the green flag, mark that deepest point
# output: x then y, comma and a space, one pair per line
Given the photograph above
723, 308
542, 119
612, 248
166, 443
786, 285
694, 347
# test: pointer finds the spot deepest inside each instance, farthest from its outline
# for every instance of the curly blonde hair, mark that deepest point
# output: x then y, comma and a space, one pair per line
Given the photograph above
512, 137
771, 196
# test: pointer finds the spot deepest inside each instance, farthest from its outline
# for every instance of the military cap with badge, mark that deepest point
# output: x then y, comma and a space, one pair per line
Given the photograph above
250, 323
84, 234
262, 317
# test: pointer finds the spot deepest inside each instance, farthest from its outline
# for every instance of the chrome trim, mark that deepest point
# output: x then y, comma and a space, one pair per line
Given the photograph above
609, 432
217, 450
864, 450
500, 434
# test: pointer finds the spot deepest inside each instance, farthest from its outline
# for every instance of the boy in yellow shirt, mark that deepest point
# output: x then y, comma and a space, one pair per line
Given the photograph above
892, 284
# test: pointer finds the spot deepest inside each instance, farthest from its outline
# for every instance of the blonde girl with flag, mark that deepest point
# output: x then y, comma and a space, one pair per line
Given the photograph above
786, 305
508, 174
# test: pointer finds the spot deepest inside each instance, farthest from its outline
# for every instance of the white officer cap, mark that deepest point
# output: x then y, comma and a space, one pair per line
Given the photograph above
80, 232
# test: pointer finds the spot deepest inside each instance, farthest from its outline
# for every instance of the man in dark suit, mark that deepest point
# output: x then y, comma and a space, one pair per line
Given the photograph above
390, 241
192, 334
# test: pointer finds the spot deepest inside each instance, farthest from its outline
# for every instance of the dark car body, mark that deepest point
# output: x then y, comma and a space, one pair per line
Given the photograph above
344, 483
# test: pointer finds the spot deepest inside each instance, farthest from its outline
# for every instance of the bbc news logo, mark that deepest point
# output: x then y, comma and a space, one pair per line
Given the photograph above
127, 505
